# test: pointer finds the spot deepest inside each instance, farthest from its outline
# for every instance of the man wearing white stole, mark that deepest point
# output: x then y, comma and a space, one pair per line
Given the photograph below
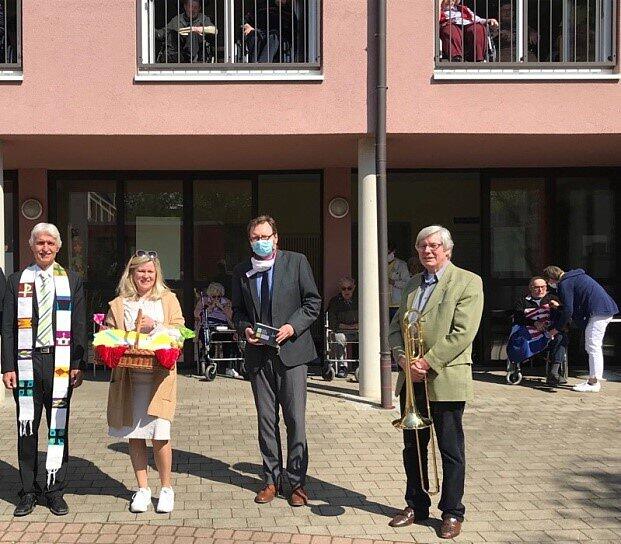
43, 341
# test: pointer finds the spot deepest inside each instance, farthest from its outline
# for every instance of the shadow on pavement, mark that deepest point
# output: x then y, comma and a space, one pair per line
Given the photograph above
533, 382
83, 478
248, 476
601, 489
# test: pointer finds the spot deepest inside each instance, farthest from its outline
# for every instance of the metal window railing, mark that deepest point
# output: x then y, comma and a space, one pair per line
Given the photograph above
229, 34
10, 35
526, 33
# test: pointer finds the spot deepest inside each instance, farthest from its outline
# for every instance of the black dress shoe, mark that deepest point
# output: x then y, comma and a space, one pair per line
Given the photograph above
57, 505
25, 505
407, 516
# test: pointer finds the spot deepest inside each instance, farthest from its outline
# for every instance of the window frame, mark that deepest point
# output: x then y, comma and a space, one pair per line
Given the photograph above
149, 70
14, 71
528, 70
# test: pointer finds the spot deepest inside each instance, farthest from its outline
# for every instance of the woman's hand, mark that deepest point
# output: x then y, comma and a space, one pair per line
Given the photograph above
147, 324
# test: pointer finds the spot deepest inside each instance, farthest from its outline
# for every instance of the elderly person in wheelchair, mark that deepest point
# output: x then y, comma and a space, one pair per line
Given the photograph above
530, 336
187, 37
463, 33
342, 326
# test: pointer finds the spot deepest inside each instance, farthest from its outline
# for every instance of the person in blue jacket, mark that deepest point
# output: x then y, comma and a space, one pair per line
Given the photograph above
587, 303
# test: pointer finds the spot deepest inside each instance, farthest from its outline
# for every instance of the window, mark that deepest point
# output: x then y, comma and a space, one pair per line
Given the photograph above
154, 221
518, 228
10, 35
491, 34
224, 36
585, 227
87, 220
222, 209
11, 241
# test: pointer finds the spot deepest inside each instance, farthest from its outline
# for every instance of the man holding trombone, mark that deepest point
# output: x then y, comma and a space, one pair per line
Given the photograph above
434, 328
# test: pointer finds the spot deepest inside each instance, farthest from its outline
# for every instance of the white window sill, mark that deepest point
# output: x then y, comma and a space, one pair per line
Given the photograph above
11, 75
525, 74
228, 75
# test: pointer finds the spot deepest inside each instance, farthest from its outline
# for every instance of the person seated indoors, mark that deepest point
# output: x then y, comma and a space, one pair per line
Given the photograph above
218, 310
343, 320
185, 34
268, 24
463, 33
535, 312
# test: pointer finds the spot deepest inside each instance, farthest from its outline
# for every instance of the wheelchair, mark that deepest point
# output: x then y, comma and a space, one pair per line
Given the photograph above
515, 371
173, 56
491, 52
337, 362
217, 344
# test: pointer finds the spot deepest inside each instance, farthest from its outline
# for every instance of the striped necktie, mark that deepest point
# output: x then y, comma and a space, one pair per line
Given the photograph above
44, 329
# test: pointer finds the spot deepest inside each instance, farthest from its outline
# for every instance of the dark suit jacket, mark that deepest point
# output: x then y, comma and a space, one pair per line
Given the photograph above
295, 300
9, 322
2, 290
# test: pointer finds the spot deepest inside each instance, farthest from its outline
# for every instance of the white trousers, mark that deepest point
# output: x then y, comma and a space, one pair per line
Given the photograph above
593, 340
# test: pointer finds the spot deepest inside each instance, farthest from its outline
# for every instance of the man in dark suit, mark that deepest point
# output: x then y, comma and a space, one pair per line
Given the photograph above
43, 347
276, 288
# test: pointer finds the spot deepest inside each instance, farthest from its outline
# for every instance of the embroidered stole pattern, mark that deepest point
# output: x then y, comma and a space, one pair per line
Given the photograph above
62, 359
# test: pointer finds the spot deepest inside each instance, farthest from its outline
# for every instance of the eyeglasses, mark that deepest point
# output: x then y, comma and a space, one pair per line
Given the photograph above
347, 288
146, 253
264, 237
432, 247
538, 286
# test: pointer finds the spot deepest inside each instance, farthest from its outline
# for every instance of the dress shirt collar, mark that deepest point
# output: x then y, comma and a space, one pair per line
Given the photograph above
49, 271
433, 278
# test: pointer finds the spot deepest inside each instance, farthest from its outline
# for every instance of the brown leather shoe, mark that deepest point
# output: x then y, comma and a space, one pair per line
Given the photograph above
298, 497
266, 494
406, 517
450, 528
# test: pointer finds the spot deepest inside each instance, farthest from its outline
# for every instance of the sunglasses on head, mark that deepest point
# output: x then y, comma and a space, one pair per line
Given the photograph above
144, 253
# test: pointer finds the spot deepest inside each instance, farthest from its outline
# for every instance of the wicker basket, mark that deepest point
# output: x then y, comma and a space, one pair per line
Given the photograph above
138, 359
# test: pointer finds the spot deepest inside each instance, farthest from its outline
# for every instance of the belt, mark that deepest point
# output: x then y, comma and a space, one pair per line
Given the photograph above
44, 349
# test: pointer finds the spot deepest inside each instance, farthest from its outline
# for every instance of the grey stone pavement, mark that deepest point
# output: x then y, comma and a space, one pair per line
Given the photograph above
543, 466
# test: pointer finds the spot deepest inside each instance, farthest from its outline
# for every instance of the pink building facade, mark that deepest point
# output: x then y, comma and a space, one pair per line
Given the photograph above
129, 136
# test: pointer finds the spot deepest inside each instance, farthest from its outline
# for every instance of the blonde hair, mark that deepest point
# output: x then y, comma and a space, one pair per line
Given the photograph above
552, 273
127, 287
215, 289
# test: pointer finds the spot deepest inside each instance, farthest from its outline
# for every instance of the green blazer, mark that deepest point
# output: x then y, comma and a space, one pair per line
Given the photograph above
450, 321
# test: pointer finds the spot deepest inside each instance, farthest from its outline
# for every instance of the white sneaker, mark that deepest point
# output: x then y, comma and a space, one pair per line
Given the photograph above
231, 373
166, 503
141, 500
586, 387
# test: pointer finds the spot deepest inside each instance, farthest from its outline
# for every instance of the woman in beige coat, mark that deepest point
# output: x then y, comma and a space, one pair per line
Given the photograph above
141, 405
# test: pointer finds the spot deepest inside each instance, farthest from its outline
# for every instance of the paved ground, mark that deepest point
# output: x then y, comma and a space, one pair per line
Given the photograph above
542, 466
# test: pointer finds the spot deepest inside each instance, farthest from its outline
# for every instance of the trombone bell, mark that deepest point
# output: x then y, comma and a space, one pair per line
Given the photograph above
412, 421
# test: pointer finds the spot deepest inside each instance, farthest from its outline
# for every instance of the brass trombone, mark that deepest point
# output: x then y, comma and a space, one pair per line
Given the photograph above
412, 420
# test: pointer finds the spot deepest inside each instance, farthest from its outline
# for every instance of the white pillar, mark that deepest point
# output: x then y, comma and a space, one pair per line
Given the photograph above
368, 282
5, 394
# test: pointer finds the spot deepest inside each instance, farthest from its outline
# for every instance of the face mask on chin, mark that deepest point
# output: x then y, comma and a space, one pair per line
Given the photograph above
552, 285
263, 248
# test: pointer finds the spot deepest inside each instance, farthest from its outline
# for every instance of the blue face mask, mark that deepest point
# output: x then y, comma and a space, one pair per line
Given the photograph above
263, 248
